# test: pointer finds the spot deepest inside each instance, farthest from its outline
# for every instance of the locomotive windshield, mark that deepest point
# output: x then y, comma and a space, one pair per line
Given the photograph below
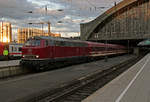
33, 43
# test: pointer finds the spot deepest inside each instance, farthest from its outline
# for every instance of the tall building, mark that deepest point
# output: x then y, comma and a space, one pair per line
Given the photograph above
25, 33
53, 34
5, 32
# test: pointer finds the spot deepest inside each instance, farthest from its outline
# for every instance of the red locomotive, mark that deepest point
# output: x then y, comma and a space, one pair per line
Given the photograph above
41, 51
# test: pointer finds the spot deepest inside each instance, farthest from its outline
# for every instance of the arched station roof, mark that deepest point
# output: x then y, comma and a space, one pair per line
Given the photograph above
88, 28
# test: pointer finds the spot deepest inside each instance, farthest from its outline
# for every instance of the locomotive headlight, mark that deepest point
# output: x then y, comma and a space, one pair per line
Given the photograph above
37, 56
23, 56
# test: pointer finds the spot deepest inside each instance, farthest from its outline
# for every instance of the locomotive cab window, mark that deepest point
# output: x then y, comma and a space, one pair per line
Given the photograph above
33, 43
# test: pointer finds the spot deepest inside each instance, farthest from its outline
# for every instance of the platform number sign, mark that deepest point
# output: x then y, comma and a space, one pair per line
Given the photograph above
5, 52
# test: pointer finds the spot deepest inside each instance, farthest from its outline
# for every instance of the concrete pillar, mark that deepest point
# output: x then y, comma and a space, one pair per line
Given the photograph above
136, 51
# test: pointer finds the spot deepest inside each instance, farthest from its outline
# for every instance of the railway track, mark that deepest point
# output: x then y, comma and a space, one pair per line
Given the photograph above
17, 70
80, 89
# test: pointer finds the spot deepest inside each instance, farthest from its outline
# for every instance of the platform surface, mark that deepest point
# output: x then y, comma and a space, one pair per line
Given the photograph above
9, 63
131, 86
25, 86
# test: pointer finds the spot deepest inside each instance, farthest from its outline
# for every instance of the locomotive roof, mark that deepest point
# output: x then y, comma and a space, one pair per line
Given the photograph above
57, 38
85, 43
57, 41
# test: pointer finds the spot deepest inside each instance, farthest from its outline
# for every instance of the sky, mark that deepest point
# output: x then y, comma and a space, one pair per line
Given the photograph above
65, 15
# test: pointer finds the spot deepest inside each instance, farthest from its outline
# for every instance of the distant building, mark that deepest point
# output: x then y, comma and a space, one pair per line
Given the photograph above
5, 32
25, 33
53, 34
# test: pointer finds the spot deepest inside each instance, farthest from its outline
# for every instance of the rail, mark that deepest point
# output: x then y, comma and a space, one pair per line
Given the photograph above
77, 90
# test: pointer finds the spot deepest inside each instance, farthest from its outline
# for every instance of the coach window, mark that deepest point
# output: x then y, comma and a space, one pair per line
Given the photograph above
38, 42
15, 49
62, 43
20, 48
103, 48
67, 43
72, 44
52, 42
11, 48
58, 43
78, 44
49, 42
46, 43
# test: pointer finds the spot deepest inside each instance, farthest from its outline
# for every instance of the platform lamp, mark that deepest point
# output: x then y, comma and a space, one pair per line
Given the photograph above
47, 22
31, 12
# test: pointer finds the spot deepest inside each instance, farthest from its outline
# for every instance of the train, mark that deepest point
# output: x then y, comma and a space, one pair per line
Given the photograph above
15, 51
3, 48
39, 52
144, 43
10, 51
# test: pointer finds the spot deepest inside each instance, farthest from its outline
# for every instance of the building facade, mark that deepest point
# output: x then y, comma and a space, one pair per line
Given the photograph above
5, 32
53, 34
128, 20
25, 33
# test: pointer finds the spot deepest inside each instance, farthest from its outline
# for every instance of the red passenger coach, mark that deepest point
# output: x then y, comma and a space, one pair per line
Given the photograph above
3, 46
15, 50
101, 49
41, 51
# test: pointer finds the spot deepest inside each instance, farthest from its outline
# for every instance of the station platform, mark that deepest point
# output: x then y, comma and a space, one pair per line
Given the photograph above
131, 86
9, 63
25, 87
